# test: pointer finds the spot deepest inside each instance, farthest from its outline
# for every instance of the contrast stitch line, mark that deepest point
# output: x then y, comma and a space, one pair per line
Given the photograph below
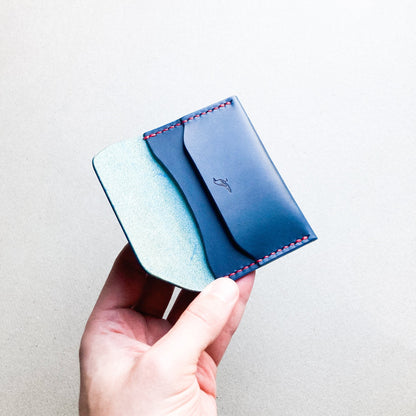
196, 116
299, 240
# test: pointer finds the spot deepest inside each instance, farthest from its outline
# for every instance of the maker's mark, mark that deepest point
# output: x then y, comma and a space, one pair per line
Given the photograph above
222, 182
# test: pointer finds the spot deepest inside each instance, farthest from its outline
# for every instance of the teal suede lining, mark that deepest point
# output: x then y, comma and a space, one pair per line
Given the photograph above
153, 214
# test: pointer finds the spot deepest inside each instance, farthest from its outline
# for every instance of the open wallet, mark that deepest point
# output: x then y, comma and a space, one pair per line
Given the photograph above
200, 198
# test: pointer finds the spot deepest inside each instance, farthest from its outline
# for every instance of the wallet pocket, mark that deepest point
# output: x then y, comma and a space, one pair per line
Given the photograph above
245, 214
221, 252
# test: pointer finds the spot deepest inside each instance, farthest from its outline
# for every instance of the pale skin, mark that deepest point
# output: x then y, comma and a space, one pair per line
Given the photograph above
133, 362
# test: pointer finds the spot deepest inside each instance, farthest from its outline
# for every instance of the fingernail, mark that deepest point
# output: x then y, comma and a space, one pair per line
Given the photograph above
224, 288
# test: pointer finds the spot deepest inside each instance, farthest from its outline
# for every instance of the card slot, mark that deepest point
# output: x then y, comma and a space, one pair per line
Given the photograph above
221, 253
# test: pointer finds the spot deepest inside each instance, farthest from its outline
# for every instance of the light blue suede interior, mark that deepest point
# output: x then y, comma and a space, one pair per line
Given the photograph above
153, 214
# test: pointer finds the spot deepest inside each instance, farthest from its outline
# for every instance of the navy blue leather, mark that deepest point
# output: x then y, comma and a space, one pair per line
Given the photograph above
244, 211
219, 250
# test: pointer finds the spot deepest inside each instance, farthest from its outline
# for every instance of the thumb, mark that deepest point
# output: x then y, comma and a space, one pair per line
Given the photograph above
201, 322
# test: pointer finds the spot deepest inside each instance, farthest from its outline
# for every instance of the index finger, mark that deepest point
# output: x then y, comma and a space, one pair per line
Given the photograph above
124, 285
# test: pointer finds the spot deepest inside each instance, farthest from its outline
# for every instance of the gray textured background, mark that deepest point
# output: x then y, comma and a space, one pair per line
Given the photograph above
331, 89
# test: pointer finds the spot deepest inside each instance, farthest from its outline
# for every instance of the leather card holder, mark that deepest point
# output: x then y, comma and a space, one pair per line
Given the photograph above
241, 213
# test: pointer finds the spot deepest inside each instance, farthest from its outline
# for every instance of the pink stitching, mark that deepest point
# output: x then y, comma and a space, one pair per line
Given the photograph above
188, 119
299, 240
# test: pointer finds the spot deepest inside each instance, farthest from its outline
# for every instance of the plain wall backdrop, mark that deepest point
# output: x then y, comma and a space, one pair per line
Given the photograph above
330, 87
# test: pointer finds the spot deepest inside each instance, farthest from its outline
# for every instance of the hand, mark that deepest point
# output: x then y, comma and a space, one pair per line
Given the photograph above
133, 362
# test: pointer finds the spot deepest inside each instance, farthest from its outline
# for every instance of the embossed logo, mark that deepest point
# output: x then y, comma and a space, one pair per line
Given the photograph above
222, 182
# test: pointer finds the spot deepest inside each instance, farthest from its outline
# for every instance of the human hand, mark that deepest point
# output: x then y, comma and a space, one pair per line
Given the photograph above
133, 362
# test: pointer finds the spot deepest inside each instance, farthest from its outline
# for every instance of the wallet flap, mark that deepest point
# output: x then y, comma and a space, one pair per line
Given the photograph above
250, 195
153, 214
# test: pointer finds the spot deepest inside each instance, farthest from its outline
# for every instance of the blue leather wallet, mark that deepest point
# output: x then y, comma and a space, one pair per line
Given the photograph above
199, 198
